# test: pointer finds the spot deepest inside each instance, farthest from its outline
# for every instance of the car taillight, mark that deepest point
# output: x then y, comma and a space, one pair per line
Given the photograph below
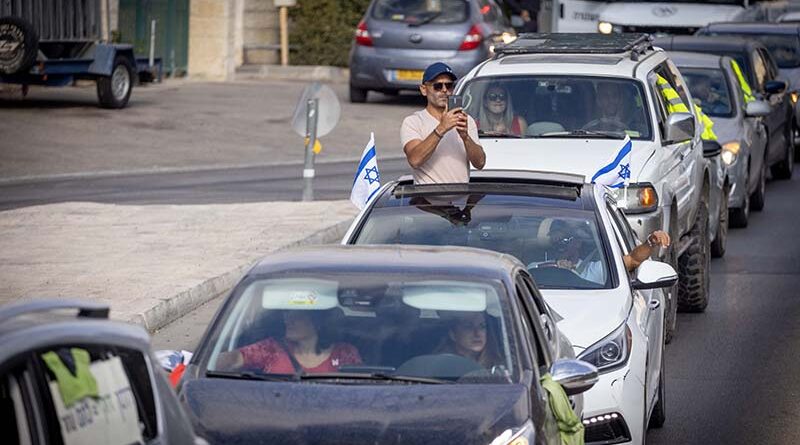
472, 40
362, 34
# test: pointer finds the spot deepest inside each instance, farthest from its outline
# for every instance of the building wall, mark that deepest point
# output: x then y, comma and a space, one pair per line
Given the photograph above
260, 32
212, 38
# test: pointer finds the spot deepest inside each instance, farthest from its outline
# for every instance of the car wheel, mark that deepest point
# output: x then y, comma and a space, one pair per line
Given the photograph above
740, 216
114, 91
783, 169
659, 414
358, 95
671, 294
19, 45
720, 243
759, 196
693, 266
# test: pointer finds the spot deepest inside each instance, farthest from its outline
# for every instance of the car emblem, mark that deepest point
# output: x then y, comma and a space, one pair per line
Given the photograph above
664, 11
415, 38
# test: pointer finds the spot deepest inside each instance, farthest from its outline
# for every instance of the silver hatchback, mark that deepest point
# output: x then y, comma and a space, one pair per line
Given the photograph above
397, 39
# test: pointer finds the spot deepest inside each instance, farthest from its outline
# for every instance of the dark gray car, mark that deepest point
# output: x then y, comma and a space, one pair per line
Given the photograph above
45, 347
397, 39
762, 75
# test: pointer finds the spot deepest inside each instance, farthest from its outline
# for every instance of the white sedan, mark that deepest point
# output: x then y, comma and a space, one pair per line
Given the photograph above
572, 237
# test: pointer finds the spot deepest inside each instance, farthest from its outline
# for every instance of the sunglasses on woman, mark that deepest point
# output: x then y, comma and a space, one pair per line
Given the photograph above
439, 86
496, 97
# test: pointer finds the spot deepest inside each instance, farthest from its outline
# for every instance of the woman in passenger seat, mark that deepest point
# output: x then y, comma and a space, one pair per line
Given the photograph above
468, 337
497, 113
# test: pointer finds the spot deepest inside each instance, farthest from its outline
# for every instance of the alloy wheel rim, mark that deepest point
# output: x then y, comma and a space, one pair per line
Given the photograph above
120, 82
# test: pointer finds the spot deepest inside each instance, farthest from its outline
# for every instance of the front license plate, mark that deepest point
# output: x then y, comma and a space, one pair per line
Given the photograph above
408, 75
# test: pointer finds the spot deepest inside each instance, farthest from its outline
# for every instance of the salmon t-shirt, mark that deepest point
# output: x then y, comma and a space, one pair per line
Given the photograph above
448, 163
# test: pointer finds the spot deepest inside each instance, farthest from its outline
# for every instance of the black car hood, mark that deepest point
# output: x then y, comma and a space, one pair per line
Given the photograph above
257, 412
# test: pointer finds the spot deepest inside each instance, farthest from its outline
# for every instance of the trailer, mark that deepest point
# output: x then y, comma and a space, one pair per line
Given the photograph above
56, 42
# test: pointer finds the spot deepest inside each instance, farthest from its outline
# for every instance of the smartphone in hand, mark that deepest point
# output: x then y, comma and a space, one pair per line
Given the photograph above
455, 101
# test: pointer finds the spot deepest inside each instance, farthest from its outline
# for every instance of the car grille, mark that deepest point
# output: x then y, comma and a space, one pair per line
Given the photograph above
659, 29
606, 429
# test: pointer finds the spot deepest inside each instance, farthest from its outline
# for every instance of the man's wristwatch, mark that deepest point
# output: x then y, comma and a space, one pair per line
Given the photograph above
437, 133
651, 241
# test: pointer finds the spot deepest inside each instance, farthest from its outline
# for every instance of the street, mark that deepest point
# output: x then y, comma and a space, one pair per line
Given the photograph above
731, 370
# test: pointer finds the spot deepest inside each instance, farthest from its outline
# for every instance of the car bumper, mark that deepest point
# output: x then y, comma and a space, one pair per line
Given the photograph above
613, 410
372, 68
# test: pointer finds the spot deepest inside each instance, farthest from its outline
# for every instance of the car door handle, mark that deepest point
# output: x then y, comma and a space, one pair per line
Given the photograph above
654, 304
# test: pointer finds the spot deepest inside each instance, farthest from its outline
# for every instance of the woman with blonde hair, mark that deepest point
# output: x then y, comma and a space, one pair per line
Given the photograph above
496, 114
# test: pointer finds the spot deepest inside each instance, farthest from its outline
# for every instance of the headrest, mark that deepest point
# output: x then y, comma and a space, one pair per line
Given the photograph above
541, 127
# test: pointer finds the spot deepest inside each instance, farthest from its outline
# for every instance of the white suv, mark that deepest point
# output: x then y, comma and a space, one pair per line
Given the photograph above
564, 103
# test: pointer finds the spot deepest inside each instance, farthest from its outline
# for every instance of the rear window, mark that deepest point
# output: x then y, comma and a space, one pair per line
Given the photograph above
421, 11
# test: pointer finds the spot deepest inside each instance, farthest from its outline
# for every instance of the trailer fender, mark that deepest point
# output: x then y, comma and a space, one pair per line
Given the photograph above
104, 56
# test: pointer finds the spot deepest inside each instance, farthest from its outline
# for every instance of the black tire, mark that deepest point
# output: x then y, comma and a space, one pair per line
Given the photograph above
659, 414
783, 169
19, 45
114, 91
671, 303
720, 243
694, 265
758, 198
358, 95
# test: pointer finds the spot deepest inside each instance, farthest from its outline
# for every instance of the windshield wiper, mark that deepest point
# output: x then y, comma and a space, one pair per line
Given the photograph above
374, 376
582, 134
249, 375
498, 135
426, 20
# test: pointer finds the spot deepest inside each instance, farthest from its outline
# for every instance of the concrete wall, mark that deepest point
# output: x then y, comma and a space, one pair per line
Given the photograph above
260, 32
212, 38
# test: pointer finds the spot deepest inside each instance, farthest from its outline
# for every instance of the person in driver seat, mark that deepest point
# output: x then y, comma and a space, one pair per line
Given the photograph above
468, 336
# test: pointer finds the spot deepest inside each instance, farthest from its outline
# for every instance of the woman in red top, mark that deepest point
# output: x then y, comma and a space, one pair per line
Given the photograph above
311, 353
497, 114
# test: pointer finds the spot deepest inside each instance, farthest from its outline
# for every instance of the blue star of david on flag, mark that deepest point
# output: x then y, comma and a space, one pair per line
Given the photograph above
617, 172
367, 180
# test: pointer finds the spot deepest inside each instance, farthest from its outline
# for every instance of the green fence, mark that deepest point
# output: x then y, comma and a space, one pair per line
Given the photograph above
172, 30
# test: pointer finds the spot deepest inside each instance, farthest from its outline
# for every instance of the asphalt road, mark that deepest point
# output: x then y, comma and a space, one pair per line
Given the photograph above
204, 186
732, 372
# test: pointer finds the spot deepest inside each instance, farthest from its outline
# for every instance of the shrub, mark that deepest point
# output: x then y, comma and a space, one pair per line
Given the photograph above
322, 31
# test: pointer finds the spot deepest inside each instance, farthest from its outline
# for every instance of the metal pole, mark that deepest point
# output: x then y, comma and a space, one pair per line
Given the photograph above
284, 28
152, 42
311, 138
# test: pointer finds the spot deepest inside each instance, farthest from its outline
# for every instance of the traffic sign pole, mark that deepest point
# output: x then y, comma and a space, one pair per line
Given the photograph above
312, 106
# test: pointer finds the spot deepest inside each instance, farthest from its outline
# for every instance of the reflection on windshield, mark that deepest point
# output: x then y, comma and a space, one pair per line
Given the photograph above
537, 106
372, 328
562, 248
418, 12
710, 88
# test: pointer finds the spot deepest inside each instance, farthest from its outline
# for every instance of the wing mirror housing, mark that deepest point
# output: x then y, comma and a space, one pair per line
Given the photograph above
774, 87
575, 376
757, 108
653, 275
711, 148
680, 127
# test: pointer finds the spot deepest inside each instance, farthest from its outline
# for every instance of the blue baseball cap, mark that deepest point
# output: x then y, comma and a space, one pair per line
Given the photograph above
437, 69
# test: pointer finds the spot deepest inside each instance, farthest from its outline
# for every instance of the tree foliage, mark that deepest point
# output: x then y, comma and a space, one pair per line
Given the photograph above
322, 31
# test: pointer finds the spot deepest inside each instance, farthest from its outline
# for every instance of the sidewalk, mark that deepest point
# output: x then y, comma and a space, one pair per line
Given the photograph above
153, 263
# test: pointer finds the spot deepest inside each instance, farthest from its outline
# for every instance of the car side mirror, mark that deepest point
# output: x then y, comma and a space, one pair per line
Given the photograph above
711, 148
680, 127
757, 108
774, 87
653, 275
575, 376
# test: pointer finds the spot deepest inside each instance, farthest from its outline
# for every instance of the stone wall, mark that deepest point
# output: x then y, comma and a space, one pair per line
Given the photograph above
260, 32
212, 38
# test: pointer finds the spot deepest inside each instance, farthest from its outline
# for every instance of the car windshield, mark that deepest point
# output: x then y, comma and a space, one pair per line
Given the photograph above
562, 248
558, 106
421, 11
708, 86
356, 326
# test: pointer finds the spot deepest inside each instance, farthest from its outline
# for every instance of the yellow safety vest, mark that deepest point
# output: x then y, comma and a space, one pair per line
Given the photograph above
708, 124
72, 387
674, 102
746, 91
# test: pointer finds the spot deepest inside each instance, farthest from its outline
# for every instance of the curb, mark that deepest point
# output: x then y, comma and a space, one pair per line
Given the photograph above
176, 306
293, 72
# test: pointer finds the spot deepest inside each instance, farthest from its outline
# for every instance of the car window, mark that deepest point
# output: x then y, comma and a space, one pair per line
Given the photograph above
785, 49
428, 327
760, 70
15, 409
534, 106
419, 11
121, 405
660, 104
562, 248
711, 89
627, 241
533, 318
676, 80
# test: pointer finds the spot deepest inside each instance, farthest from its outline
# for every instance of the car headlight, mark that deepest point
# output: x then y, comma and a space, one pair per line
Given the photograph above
516, 436
730, 152
794, 95
605, 28
639, 198
611, 352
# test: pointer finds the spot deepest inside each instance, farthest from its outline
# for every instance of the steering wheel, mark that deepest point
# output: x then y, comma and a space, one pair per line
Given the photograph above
605, 124
552, 275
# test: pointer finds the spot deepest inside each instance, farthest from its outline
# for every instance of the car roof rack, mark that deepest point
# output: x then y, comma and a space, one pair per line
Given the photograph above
86, 309
578, 43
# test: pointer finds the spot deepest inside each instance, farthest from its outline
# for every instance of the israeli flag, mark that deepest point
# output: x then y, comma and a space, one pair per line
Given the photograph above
617, 173
367, 181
